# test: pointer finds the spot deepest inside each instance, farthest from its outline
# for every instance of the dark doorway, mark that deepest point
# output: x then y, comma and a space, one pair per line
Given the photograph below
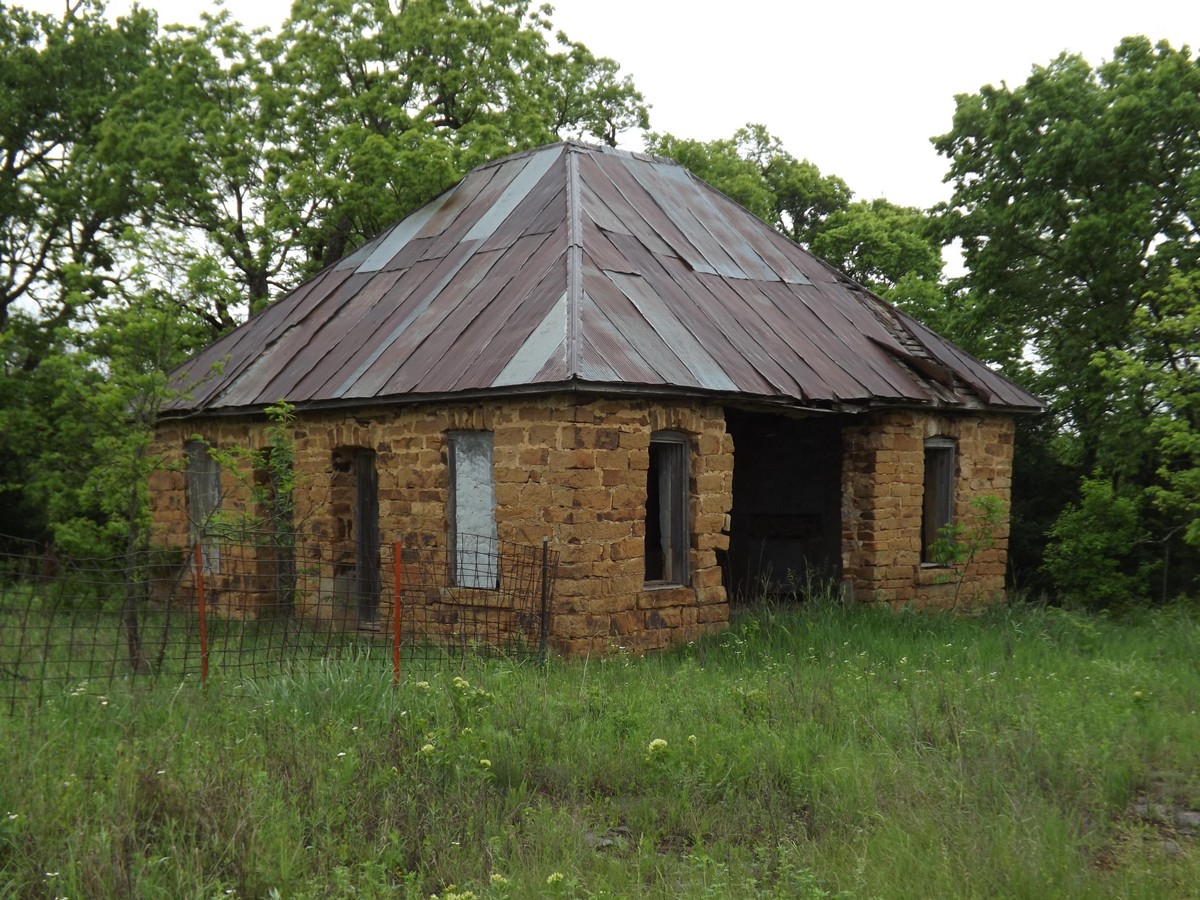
786, 525
355, 508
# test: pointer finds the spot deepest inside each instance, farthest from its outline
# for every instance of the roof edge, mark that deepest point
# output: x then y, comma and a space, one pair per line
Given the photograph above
598, 389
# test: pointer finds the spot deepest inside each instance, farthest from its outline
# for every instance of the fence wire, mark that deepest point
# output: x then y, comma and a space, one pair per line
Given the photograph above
255, 604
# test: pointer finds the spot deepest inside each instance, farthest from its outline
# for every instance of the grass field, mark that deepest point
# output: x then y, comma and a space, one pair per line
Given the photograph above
814, 752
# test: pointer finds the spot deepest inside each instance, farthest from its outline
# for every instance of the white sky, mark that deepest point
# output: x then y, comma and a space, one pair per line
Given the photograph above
857, 86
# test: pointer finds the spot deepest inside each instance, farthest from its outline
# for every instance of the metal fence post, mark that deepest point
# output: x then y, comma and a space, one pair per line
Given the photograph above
545, 600
202, 612
397, 601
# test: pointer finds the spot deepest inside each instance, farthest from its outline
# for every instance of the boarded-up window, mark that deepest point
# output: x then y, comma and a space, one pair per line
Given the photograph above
667, 509
203, 500
938, 509
473, 535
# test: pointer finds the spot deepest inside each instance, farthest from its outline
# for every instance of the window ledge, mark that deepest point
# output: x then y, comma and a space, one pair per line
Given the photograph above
662, 585
933, 574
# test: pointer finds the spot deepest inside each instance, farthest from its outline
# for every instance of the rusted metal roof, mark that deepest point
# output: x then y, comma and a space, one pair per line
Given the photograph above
579, 266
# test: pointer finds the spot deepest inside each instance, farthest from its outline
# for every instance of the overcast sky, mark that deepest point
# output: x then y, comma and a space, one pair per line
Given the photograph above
858, 87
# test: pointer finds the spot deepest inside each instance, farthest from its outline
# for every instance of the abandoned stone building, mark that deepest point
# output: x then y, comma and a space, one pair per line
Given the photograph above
596, 347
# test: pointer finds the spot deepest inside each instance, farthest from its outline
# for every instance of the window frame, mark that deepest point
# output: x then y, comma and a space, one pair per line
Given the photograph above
938, 493
667, 552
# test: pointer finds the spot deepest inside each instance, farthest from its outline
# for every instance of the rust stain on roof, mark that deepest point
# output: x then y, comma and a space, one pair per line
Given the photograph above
573, 265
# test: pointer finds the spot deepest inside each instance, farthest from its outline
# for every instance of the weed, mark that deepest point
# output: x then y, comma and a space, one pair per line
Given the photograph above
818, 751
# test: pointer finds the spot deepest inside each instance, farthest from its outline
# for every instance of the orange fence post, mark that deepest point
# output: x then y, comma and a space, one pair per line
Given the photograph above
200, 610
398, 565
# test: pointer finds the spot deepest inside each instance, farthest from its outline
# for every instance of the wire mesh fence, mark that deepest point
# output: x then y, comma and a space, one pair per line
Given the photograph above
253, 604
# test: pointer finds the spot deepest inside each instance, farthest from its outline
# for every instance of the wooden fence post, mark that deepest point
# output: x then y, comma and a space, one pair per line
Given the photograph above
397, 608
201, 611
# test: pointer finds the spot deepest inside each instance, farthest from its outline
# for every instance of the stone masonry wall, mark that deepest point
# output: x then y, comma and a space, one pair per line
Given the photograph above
573, 471
883, 477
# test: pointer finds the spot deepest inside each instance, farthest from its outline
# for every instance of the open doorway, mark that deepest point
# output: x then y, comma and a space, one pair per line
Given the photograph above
355, 508
786, 525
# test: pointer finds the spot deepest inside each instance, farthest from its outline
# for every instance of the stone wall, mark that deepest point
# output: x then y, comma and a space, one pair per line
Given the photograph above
882, 490
574, 472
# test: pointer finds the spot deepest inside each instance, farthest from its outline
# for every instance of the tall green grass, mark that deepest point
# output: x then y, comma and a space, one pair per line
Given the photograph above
806, 752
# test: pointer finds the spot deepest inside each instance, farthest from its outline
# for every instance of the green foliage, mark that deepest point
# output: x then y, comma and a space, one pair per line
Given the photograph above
1074, 199
269, 479
287, 150
60, 201
79, 422
959, 543
1163, 375
820, 751
1093, 555
63, 208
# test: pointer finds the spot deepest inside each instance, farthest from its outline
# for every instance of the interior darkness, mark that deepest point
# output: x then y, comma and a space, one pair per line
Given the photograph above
786, 529
654, 553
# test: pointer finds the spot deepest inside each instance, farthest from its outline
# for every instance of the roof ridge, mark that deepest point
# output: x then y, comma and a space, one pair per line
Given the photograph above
574, 260
587, 146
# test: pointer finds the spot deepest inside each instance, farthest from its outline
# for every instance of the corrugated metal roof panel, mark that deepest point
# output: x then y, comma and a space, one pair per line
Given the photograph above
719, 330
451, 205
974, 372
254, 383
491, 333
683, 344
606, 346
208, 374
437, 333
581, 263
535, 167
627, 217
442, 276
693, 312
360, 338
540, 211
643, 338
331, 343
543, 342
394, 241
674, 190
592, 366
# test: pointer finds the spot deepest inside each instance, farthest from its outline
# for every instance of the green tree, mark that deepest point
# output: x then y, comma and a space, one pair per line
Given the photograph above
1094, 554
62, 207
1161, 372
60, 202
285, 151
201, 131
388, 106
84, 416
1075, 198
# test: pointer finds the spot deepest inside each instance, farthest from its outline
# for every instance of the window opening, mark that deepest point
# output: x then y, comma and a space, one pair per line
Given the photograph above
666, 509
474, 542
938, 508
355, 490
